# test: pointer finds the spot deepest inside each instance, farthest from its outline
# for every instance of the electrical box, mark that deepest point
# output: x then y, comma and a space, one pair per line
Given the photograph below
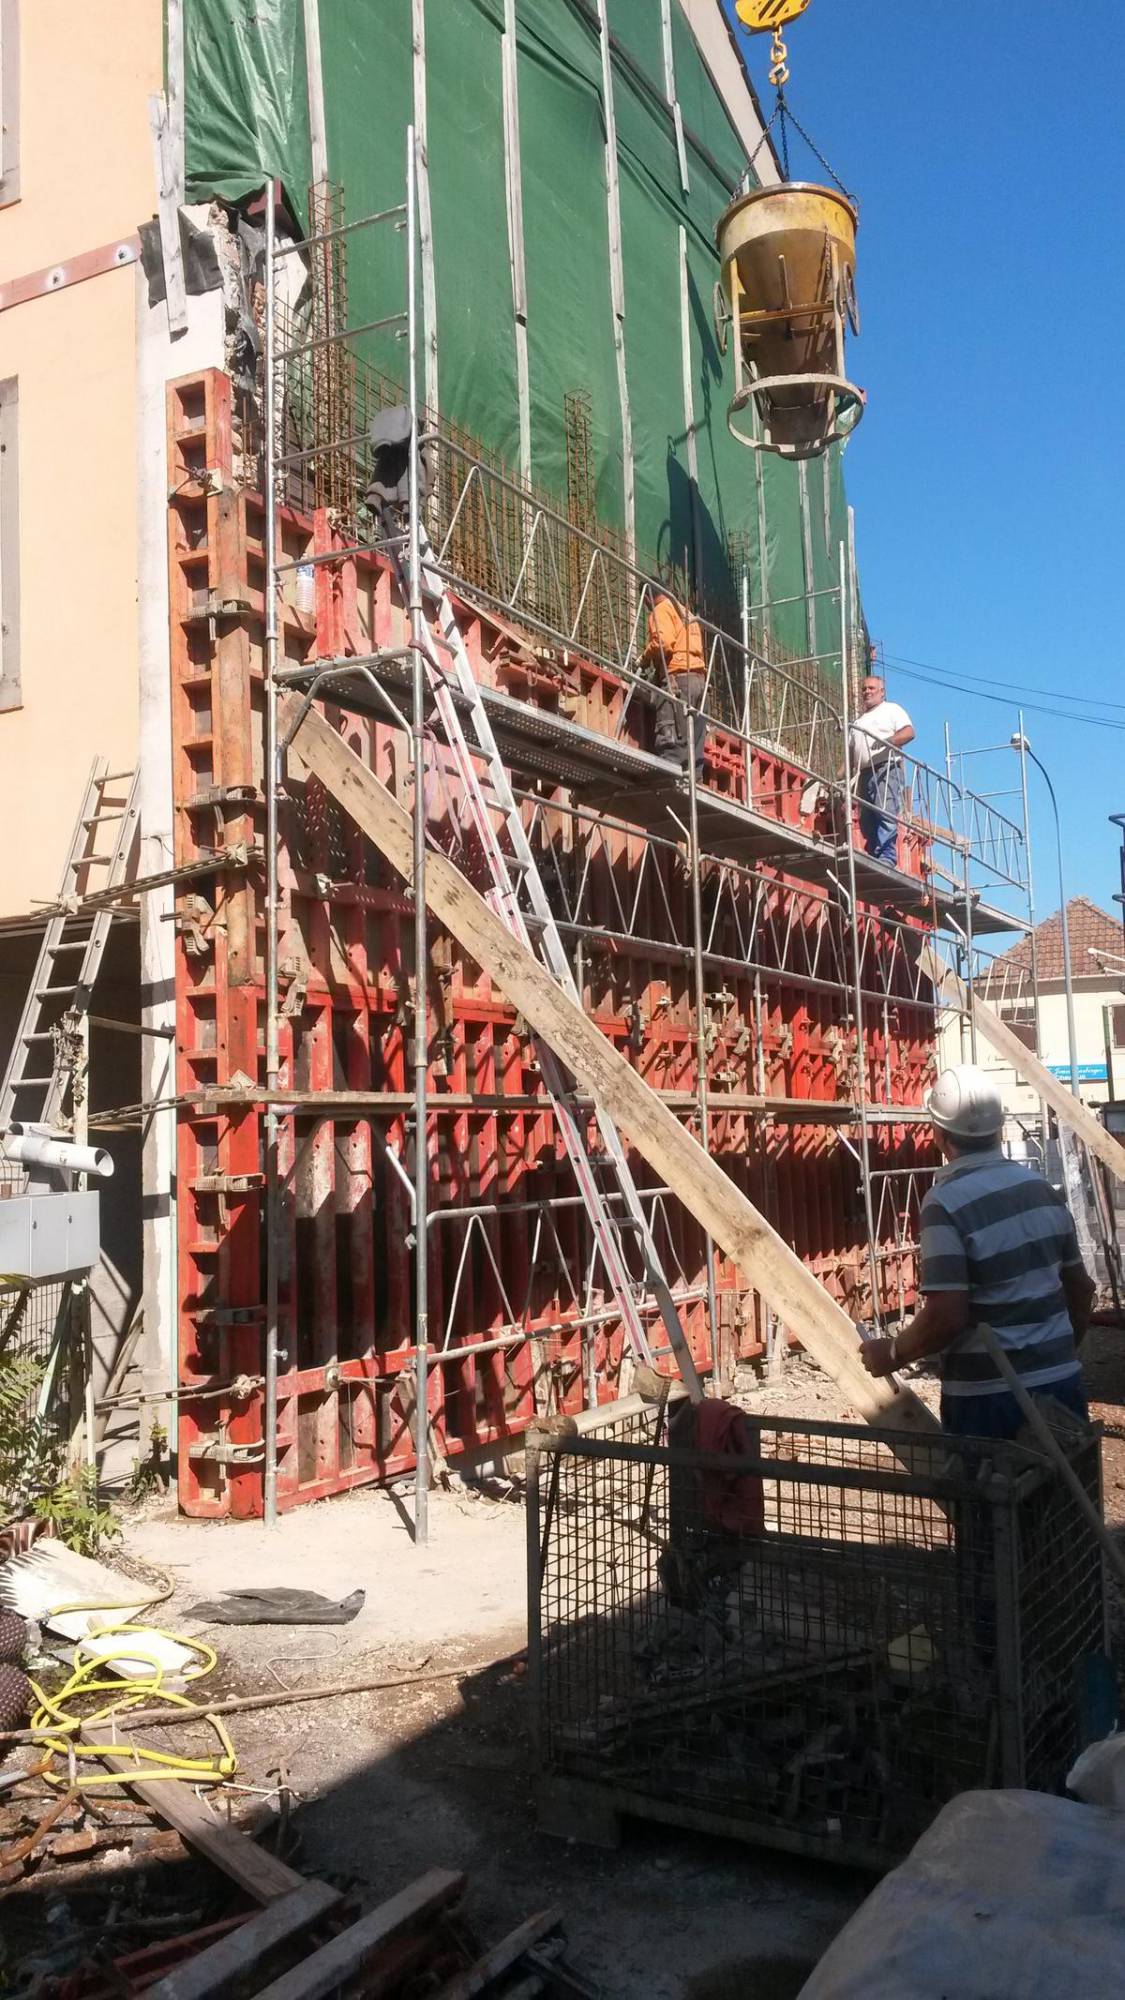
44, 1236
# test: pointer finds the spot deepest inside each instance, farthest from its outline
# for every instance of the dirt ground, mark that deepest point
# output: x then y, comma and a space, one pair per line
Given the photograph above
439, 1772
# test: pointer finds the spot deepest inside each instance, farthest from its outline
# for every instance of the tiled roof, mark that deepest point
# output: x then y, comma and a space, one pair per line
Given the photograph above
1090, 929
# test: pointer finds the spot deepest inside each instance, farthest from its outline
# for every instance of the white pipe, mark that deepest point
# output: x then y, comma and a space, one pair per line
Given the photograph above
40, 1149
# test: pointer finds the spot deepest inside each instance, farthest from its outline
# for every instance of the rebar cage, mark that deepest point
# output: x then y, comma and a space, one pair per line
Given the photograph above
814, 1647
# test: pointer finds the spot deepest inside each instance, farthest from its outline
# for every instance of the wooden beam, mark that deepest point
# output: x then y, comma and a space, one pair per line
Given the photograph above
227, 1962
513, 187
175, 291
686, 370
260, 1874
425, 212
715, 43
769, 1264
617, 282
177, 162
500, 1958
314, 85
670, 92
353, 1951
1062, 1100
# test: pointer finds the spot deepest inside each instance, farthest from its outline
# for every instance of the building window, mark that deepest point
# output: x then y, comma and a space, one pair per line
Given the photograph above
1118, 1027
9, 545
9, 102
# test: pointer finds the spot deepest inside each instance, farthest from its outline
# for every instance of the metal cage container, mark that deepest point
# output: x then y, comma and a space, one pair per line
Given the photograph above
813, 1648
786, 295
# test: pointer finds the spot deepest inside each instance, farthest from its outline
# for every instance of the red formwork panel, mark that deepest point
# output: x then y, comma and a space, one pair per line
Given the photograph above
507, 1259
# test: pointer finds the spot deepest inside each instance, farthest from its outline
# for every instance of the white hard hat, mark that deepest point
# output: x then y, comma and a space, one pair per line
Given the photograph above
965, 1103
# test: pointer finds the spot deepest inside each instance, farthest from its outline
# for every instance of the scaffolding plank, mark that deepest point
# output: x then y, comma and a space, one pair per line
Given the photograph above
700, 1183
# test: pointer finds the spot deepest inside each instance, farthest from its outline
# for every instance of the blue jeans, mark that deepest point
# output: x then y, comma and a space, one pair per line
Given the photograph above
1000, 1416
880, 793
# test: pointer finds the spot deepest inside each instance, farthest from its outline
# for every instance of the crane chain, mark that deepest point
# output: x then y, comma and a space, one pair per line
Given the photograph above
779, 61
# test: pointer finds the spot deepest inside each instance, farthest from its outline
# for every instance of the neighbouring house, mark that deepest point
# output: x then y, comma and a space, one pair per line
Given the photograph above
1097, 953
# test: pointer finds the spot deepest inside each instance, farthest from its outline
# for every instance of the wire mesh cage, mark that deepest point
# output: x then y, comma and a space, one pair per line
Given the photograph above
813, 1647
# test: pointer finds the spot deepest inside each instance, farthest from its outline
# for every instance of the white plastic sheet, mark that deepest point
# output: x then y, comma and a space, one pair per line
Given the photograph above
1009, 1896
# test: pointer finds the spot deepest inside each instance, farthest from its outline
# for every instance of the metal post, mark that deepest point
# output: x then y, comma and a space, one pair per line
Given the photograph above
272, 783
718, 1358
421, 942
535, 1566
857, 956
1118, 820
970, 983
1043, 1123
1068, 981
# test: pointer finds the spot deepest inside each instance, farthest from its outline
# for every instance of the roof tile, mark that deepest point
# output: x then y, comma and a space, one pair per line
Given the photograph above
1091, 929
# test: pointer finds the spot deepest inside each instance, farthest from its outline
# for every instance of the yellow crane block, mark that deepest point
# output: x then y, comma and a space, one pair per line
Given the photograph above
764, 17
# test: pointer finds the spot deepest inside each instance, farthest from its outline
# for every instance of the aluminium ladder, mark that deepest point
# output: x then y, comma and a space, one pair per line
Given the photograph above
520, 899
102, 857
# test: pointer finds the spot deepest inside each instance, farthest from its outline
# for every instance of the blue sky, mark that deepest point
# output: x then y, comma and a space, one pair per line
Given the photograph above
987, 148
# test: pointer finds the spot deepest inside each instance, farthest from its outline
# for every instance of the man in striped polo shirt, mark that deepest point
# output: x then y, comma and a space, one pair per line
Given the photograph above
998, 1249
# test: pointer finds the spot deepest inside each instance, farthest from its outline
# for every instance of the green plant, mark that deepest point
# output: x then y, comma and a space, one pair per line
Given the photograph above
33, 1476
76, 1512
29, 1453
150, 1473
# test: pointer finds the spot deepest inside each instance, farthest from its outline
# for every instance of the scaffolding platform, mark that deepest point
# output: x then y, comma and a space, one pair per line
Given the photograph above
646, 791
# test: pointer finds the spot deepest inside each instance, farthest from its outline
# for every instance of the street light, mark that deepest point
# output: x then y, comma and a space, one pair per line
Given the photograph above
1019, 742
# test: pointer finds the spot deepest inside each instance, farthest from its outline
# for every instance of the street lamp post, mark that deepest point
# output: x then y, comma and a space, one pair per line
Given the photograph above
1020, 743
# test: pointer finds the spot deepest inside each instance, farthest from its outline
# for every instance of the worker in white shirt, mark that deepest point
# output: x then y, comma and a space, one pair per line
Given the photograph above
878, 735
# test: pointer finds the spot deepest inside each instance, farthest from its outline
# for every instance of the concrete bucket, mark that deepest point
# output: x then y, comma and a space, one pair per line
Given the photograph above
786, 293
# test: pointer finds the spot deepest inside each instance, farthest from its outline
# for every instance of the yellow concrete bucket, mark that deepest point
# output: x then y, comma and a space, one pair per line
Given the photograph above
787, 291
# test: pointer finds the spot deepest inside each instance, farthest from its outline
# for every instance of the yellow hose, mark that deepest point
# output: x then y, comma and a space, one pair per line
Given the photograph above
56, 1729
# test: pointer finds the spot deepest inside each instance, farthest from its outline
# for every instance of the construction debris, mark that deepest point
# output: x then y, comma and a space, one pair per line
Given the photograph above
308, 1937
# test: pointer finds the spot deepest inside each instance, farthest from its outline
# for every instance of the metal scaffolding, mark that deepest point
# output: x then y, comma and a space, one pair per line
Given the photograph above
765, 971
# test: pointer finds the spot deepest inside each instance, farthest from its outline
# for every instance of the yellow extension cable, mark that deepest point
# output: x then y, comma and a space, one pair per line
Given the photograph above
56, 1729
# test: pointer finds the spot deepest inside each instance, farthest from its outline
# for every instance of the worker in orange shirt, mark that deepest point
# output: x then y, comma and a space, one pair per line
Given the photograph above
676, 641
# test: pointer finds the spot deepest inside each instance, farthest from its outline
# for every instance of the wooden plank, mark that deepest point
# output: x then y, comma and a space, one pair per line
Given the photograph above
769, 1264
513, 187
687, 373
476, 1977
617, 282
1065, 1105
177, 164
214, 1971
314, 86
425, 214
175, 291
670, 91
354, 1949
262, 1875
715, 42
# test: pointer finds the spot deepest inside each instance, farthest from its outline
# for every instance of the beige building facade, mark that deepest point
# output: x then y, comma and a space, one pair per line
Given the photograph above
78, 177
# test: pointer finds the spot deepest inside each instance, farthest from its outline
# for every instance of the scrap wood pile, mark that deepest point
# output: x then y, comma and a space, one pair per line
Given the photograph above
93, 1906
117, 1876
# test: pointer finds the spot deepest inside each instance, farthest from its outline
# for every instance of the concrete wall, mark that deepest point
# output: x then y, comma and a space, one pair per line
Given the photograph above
86, 179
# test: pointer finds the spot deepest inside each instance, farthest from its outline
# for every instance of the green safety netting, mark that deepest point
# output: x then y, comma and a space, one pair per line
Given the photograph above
247, 120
